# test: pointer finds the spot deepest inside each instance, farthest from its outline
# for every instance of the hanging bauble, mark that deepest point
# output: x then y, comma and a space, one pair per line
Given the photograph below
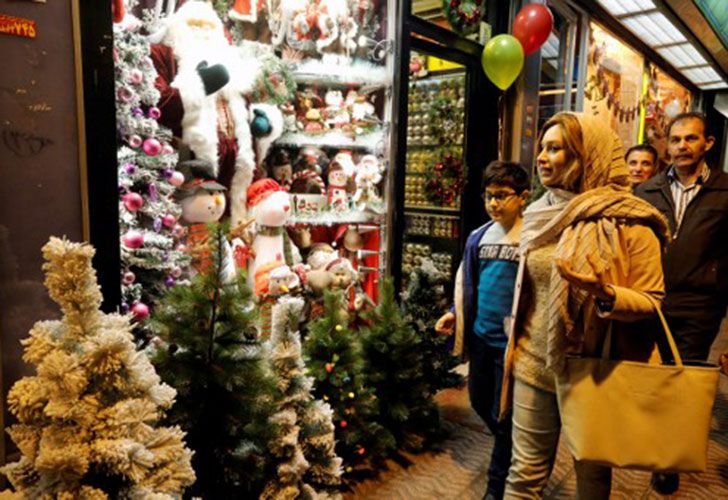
169, 282
124, 94
178, 231
167, 149
153, 193
261, 126
181, 248
157, 224
128, 278
343, 424
177, 179
169, 220
136, 77
137, 112
152, 147
124, 307
351, 395
154, 113
133, 201
361, 451
167, 173
176, 271
329, 367
134, 141
129, 168
140, 311
133, 239
338, 328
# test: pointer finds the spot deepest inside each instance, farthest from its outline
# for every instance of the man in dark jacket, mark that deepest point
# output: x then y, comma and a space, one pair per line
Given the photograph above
694, 199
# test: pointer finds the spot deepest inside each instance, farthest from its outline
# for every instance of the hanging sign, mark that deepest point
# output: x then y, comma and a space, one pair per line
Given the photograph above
17, 26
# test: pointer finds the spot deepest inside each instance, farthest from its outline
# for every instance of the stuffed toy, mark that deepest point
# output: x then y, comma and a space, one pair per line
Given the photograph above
203, 81
271, 207
203, 202
281, 169
368, 175
341, 183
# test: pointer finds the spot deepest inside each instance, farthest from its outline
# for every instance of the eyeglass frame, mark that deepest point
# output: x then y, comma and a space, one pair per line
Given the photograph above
497, 196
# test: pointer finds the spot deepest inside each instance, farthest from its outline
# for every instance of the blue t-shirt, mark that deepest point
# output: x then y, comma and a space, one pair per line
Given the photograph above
498, 266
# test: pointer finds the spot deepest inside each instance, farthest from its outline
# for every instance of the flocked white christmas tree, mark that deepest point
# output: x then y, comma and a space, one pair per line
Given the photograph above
87, 418
151, 255
304, 449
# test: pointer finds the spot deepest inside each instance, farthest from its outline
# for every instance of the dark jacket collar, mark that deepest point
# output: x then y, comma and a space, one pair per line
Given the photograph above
717, 180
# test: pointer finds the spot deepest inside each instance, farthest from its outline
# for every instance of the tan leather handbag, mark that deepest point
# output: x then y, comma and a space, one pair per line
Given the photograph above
638, 415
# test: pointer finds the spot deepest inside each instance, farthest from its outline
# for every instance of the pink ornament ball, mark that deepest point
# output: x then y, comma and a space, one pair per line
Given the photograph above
136, 77
167, 149
134, 141
169, 220
179, 231
140, 311
124, 94
128, 278
133, 239
176, 272
177, 178
152, 147
133, 201
155, 113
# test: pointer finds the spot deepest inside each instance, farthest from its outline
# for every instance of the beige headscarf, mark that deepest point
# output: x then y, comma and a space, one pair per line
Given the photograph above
585, 224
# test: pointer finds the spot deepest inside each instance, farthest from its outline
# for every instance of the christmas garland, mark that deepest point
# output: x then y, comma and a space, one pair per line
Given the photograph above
446, 180
463, 15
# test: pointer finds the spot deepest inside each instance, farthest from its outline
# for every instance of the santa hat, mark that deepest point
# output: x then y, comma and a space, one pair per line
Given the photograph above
261, 189
244, 10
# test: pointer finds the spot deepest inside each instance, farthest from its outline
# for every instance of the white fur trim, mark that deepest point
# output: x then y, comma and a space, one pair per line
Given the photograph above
199, 123
245, 161
275, 117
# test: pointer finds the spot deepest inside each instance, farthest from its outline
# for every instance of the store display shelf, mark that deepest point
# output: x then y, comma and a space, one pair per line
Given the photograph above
430, 208
372, 141
357, 74
331, 218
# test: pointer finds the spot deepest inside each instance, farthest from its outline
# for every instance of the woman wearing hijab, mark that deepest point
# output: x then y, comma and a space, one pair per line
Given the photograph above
590, 252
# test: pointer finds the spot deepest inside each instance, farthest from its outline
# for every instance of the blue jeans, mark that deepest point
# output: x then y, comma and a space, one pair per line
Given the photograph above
485, 377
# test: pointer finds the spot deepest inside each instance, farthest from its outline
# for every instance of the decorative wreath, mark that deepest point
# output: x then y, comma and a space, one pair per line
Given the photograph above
275, 84
464, 15
446, 180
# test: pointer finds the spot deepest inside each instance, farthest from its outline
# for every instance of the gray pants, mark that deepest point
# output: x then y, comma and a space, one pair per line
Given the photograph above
536, 429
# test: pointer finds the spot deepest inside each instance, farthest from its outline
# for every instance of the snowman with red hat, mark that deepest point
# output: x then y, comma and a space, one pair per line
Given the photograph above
271, 246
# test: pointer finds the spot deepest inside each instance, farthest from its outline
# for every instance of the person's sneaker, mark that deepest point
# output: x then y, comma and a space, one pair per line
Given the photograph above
665, 484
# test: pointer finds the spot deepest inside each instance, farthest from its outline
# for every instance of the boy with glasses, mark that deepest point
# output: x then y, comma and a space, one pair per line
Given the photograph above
484, 296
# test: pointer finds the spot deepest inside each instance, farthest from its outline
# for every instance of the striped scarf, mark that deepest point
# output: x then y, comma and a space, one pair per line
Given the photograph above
586, 224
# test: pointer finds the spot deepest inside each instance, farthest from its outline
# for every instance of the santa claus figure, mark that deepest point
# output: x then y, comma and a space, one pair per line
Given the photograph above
203, 82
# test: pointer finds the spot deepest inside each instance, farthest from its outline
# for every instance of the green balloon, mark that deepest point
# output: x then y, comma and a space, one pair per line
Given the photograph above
502, 60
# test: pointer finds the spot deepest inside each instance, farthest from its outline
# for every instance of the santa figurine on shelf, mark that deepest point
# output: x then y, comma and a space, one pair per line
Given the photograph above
203, 82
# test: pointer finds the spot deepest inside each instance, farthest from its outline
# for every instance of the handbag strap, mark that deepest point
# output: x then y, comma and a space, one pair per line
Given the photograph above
607, 345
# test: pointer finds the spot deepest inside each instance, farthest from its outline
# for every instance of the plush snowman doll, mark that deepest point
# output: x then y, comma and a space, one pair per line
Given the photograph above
340, 180
368, 175
271, 246
203, 202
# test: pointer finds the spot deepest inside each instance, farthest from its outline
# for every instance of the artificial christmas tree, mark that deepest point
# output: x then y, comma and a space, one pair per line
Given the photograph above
210, 352
422, 302
333, 357
396, 369
151, 255
86, 420
304, 449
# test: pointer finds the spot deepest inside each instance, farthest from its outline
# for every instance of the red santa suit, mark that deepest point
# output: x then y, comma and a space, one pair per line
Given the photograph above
215, 127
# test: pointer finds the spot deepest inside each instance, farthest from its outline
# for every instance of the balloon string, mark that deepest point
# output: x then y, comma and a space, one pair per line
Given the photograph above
501, 119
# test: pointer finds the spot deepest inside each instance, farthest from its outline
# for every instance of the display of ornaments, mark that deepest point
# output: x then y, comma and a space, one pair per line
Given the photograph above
432, 225
436, 111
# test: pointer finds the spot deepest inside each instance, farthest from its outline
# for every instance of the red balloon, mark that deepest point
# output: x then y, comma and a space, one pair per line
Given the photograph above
532, 26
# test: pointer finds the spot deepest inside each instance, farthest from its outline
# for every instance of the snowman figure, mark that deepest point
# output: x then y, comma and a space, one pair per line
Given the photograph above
340, 179
203, 202
271, 246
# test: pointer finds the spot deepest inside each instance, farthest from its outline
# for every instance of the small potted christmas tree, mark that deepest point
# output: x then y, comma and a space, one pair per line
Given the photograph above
87, 420
210, 352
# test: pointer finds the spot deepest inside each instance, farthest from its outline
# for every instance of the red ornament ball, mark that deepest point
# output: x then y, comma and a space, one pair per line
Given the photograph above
152, 147
133, 201
128, 278
133, 239
343, 424
140, 311
361, 451
329, 367
169, 220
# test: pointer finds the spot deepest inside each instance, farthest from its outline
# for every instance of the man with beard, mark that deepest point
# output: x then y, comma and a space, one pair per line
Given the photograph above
203, 81
694, 198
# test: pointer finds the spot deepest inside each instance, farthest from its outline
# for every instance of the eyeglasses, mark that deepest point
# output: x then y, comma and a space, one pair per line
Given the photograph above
499, 197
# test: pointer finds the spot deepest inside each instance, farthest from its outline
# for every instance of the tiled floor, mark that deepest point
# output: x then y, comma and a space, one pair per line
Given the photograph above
458, 471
